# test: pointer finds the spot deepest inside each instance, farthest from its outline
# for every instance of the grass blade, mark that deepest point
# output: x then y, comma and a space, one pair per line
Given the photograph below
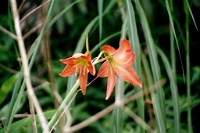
172, 47
174, 90
187, 43
118, 111
100, 10
133, 37
159, 99
174, 32
191, 14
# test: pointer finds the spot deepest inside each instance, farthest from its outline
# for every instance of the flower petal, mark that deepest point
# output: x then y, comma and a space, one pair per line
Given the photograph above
111, 83
103, 71
128, 74
68, 61
90, 66
110, 50
124, 52
68, 71
83, 82
76, 55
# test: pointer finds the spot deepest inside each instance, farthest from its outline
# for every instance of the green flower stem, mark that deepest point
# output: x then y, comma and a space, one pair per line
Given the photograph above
97, 59
87, 44
63, 104
118, 111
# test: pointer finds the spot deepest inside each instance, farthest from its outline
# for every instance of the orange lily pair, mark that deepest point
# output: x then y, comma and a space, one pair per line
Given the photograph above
118, 64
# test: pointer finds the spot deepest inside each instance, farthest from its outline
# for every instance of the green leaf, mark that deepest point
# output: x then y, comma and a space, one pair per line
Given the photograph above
159, 99
7, 87
100, 10
188, 6
134, 39
174, 91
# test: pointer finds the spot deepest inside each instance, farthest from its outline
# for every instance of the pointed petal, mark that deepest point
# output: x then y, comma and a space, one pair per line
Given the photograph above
125, 45
68, 71
110, 50
91, 68
124, 52
69, 61
77, 55
88, 57
83, 82
128, 74
103, 71
111, 83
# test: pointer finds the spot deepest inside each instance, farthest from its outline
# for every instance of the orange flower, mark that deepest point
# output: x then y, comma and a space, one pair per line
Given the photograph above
81, 64
119, 63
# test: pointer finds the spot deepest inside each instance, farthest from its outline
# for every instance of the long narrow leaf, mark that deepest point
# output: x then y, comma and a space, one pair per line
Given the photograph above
158, 99
174, 32
100, 10
174, 90
133, 36
189, 108
191, 14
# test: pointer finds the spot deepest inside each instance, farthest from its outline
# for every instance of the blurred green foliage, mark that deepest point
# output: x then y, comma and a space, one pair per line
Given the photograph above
68, 31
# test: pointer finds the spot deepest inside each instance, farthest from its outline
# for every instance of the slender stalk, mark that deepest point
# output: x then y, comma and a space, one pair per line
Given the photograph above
189, 113
30, 91
21, 5
65, 101
87, 44
16, 116
33, 116
32, 30
34, 10
8, 32
118, 111
172, 47
66, 108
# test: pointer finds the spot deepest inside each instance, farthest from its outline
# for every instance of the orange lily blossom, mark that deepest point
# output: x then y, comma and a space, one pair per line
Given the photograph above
118, 63
81, 64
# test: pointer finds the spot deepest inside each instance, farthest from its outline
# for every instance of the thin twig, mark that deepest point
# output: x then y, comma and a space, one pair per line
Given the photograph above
16, 116
8, 32
21, 5
138, 120
33, 116
32, 30
34, 10
107, 110
22, 50
35, 79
